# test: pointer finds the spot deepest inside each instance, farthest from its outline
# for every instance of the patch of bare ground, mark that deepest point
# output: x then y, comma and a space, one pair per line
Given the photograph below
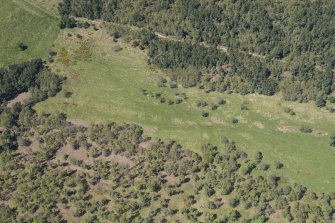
78, 154
259, 125
285, 129
101, 188
144, 145
319, 133
65, 211
275, 216
32, 147
20, 98
170, 179
78, 122
120, 160
216, 120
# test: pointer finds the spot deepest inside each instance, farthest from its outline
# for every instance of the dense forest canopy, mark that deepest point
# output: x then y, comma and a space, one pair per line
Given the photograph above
292, 43
17, 78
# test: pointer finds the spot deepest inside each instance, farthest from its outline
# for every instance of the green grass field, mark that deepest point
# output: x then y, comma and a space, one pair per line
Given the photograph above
107, 88
24, 22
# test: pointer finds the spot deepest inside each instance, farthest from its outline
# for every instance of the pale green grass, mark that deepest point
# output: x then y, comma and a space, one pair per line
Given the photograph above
23, 22
108, 89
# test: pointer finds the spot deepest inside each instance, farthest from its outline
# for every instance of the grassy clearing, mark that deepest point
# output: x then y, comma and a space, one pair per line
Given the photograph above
107, 88
23, 22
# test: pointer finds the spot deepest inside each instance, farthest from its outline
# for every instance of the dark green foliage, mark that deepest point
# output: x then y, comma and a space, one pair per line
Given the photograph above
18, 78
320, 102
304, 40
67, 22
234, 202
331, 99
214, 106
7, 140
220, 101
278, 165
201, 103
205, 114
332, 140
47, 84
234, 120
263, 166
22, 46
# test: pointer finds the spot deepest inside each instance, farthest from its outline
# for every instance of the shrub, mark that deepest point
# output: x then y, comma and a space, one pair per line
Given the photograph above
306, 129
135, 44
244, 107
263, 166
22, 46
173, 85
320, 102
331, 99
278, 165
201, 103
234, 202
205, 114
161, 82
178, 100
22, 141
332, 140
289, 111
214, 106
162, 100
234, 120
220, 101
116, 35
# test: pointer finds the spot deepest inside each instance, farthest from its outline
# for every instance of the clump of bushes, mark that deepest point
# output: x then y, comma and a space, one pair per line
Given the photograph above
332, 140
201, 103
331, 99
162, 82
306, 129
214, 106
220, 101
320, 102
244, 106
205, 114
263, 166
289, 111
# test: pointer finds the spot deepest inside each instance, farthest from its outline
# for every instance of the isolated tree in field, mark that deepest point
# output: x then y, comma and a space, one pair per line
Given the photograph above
22, 46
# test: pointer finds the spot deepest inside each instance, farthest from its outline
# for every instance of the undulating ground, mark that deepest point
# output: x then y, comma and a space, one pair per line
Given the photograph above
25, 23
106, 81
